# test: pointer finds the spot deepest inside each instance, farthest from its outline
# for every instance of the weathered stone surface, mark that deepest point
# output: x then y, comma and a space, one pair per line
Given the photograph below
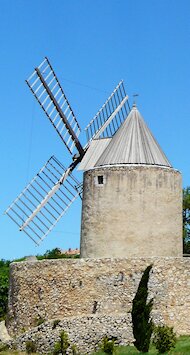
4, 336
86, 332
136, 212
95, 288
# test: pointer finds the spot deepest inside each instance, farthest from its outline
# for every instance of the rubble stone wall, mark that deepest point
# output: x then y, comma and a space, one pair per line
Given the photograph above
85, 332
58, 289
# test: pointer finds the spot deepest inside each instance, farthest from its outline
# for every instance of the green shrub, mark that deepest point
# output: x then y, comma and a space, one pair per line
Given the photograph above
4, 287
55, 323
39, 321
164, 338
3, 347
30, 347
74, 350
142, 322
108, 345
62, 345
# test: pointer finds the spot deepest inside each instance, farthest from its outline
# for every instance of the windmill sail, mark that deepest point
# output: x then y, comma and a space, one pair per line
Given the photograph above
45, 200
111, 115
47, 90
52, 191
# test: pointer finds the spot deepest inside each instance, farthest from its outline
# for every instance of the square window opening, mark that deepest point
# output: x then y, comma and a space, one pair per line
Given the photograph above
100, 179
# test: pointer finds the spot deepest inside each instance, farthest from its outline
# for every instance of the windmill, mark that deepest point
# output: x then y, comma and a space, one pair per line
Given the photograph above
52, 191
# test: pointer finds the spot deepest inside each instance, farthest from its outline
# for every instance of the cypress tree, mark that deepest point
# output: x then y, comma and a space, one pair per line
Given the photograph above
142, 322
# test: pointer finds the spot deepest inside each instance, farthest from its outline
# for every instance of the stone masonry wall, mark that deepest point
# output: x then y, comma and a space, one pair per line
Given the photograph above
66, 288
86, 332
136, 212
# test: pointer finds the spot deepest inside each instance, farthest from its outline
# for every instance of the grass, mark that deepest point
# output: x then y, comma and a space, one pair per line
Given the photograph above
12, 353
15, 353
183, 345
182, 348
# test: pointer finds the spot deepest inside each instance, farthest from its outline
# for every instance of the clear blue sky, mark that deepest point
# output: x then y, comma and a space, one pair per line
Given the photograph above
92, 45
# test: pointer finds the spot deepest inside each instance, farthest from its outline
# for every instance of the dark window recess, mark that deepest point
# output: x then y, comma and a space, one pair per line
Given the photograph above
100, 179
95, 305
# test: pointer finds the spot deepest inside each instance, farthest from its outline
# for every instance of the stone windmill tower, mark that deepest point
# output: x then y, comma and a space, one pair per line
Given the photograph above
132, 204
131, 194
131, 211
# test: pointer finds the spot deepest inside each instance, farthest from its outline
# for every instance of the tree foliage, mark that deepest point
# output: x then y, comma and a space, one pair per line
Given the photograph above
186, 219
53, 254
56, 253
4, 286
142, 322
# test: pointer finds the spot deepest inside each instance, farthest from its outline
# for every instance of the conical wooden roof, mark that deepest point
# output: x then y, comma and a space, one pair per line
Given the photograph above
133, 143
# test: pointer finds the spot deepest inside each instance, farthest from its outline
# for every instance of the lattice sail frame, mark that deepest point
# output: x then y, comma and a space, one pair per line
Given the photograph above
52, 191
111, 115
45, 200
47, 90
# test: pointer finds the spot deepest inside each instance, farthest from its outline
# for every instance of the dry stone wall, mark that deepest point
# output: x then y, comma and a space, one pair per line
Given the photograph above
86, 332
59, 289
